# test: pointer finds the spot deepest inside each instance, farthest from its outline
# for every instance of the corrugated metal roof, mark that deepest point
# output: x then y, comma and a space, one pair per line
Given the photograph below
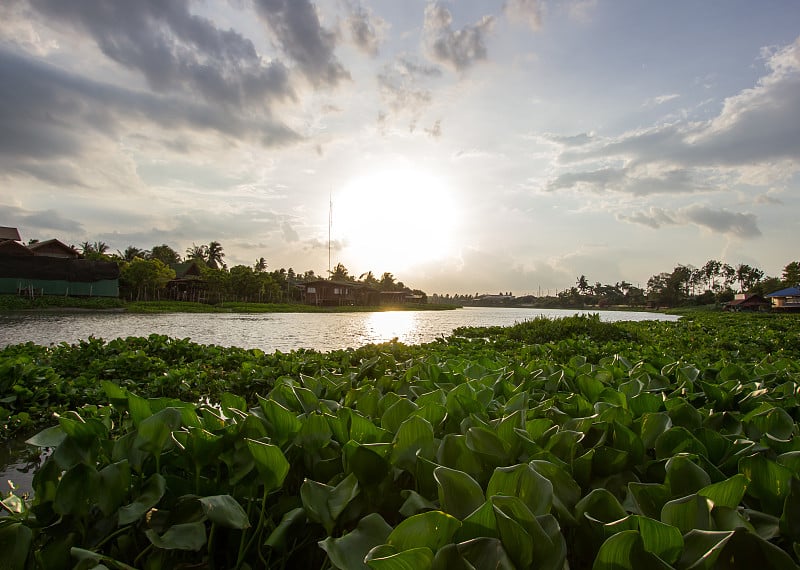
788, 292
9, 233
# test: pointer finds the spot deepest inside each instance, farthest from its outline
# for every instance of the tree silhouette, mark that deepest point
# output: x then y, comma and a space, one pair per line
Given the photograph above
214, 255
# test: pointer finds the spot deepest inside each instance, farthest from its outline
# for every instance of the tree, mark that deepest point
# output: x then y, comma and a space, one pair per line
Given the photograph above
214, 255
131, 252
748, 277
197, 252
340, 273
583, 285
165, 254
145, 276
791, 274
368, 278
387, 282
260, 265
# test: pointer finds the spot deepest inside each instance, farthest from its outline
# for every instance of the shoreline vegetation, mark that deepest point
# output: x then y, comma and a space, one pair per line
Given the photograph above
551, 443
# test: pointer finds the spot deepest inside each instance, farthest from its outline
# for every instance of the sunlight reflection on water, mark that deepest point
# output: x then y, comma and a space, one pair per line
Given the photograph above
276, 331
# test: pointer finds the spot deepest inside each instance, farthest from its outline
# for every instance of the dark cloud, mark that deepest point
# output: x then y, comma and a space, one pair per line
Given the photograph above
49, 116
756, 127
629, 181
733, 224
40, 222
460, 49
401, 84
297, 28
366, 29
175, 50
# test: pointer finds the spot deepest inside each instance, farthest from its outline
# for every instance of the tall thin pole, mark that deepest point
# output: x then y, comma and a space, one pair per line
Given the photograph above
330, 223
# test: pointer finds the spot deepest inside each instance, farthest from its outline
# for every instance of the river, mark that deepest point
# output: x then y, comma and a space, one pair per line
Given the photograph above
277, 331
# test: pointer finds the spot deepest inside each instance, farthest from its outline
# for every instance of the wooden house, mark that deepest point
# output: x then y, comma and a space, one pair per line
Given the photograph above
188, 284
337, 293
9, 234
54, 248
786, 299
747, 303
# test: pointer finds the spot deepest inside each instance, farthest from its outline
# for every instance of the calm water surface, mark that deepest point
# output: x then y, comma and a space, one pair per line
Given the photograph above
277, 331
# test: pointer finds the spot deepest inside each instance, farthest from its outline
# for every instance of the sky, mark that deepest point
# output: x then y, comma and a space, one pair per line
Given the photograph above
466, 146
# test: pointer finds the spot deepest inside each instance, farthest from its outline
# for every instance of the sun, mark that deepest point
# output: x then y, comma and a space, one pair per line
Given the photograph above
393, 219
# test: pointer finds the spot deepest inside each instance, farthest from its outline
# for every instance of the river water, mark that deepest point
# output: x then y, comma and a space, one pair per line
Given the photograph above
277, 331
267, 331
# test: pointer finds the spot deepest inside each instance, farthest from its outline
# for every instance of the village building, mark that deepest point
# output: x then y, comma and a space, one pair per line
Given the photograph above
742, 302
786, 299
52, 268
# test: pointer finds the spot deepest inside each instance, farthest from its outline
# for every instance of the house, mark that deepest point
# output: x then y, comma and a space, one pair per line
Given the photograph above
744, 302
54, 248
188, 284
323, 292
9, 234
786, 299
52, 268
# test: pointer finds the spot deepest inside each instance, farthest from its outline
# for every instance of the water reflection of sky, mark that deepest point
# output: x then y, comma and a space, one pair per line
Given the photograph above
388, 325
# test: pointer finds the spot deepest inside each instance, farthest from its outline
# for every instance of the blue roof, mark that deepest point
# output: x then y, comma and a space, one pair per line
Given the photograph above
790, 292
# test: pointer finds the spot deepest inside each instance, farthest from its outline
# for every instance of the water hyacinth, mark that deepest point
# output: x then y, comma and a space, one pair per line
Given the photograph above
570, 443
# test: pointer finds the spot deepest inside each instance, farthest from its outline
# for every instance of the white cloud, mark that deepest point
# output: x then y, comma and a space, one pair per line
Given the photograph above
460, 49
733, 224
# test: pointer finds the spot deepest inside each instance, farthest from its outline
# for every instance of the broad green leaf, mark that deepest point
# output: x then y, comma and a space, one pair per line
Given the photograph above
649, 498
769, 482
315, 432
362, 430
280, 538
600, 505
15, 545
454, 453
49, 437
139, 408
283, 424
397, 413
687, 513
271, 464
678, 440
225, 511
790, 519
728, 493
485, 552
414, 435
431, 530
776, 422
348, 552
113, 486
415, 503
151, 494
459, 494
516, 540
480, 522
84, 432
684, 477
652, 425
663, 540
75, 493
366, 462
625, 551
702, 548
524, 482
154, 431
314, 496
186, 536
412, 559
342, 494
486, 444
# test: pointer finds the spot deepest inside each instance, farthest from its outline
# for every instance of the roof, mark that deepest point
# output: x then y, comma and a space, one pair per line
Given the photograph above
788, 292
11, 247
9, 233
752, 300
54, 244
187, 268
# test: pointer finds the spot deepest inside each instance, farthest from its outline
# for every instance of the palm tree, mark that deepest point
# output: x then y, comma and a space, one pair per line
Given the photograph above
131, 252
260, 266
368, 278
197, 252
214, 255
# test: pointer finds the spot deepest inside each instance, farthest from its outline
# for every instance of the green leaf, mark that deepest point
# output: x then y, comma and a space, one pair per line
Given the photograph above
75, 492
282, 423
431, 530
459, 494
15, 544
314, 496
49, 437
365, 461
649, 498
186, 536
601, 505
687, 513
342, 494
769, 482
702, 548
155, 430
524, 482
652, 426
279, 538
485, 552
113, 486
486, 444
727, 493
270, 462
414, 435
684, 477
225, 511
397, 413
413, 559
349, 551
315, 433
625, 551
151, 494
481, 522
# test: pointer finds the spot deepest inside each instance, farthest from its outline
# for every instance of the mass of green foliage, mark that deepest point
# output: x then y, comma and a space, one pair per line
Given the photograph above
569, 443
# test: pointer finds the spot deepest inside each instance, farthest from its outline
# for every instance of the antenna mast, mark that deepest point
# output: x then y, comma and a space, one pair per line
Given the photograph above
330, 223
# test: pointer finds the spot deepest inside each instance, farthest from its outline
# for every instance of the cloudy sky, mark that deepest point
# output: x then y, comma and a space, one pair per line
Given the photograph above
466, 145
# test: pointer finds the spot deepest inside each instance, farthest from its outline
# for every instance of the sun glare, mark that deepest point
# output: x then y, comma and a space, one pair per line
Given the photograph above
390, 220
